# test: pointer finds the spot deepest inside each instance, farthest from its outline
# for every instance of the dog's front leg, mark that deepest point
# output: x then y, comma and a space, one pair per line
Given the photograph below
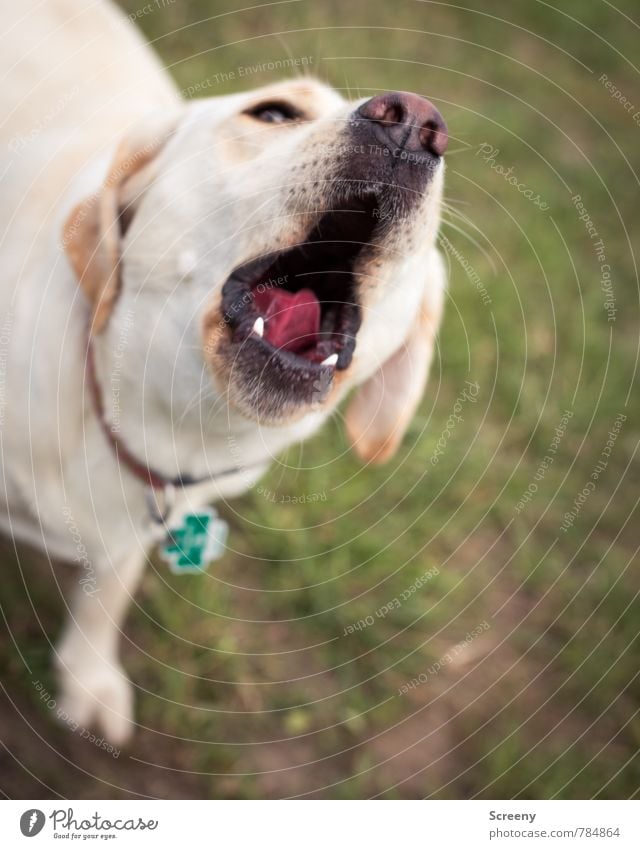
93, 688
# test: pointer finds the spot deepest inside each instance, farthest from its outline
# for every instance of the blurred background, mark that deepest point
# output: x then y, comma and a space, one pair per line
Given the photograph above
463, 622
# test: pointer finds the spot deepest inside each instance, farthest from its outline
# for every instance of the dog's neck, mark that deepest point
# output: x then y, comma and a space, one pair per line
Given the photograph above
169, 416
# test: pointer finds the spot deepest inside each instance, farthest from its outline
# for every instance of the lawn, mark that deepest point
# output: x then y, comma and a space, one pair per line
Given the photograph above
464, 621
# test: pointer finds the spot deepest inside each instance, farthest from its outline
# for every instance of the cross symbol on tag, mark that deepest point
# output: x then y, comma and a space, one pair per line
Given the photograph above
196, 542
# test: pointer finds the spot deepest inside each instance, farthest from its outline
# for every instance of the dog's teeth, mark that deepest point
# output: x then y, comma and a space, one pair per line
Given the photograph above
258, 327
331, 360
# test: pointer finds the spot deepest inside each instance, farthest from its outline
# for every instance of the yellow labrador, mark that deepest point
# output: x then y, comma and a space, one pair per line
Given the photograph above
188, 288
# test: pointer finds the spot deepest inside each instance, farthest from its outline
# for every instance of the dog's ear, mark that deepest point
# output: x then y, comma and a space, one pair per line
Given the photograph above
93, 232
382, 408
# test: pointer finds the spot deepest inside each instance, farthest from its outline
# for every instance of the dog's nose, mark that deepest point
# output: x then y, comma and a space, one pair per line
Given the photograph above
406, 120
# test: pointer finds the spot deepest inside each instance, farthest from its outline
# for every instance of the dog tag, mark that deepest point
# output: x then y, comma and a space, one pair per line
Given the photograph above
197, 540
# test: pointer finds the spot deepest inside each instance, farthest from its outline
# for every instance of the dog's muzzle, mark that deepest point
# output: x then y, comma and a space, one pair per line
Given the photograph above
294, 314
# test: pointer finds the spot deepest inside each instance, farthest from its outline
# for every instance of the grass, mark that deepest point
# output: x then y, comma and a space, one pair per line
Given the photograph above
253, 681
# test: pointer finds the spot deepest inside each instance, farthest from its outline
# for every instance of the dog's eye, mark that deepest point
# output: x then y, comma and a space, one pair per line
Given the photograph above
274, 113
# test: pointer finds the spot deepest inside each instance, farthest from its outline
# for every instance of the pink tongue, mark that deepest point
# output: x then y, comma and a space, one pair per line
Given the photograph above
292, 319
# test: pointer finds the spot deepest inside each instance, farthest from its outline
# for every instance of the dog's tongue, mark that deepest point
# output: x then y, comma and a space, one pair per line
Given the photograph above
292, 319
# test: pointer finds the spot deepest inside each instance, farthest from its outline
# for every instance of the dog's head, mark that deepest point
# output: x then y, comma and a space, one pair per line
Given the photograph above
285, 233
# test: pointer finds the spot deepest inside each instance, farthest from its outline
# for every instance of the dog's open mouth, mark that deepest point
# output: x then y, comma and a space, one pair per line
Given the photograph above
301, 306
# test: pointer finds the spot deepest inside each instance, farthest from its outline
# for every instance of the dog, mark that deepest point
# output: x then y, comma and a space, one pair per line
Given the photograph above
190, 286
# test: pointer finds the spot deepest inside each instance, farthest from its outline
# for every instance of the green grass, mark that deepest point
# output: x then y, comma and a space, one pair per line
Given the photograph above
249, 685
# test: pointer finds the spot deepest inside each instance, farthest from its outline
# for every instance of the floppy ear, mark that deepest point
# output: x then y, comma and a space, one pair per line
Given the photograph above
93, 231
380, 412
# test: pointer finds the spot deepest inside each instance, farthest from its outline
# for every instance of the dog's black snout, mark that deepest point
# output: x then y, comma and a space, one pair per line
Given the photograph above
407, 121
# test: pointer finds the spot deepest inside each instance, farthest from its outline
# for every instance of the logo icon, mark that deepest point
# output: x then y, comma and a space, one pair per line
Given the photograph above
32, 822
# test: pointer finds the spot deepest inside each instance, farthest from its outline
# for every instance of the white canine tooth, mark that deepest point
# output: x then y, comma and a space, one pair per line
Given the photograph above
331, 360
258, 326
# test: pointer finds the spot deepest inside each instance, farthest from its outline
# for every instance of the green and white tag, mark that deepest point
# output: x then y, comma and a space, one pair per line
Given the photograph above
198, 539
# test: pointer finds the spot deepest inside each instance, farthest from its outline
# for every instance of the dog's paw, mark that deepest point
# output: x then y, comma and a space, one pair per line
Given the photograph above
97, 697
